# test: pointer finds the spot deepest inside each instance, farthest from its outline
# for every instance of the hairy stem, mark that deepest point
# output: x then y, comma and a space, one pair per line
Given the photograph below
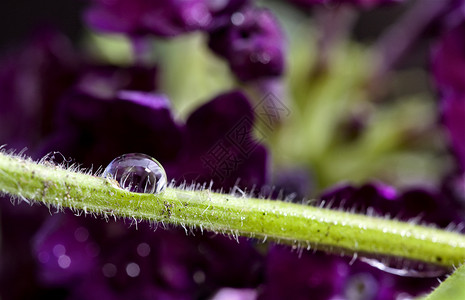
295, 224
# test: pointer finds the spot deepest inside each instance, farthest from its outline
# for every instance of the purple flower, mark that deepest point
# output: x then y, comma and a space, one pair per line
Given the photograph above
98, 259
453, 187
448, 61
372, 198
361, 3
64, 251
220, 145
452, 111
365, 282
101, 113
252, 42
165, 18
427, 206
216, 143
422, 205
31, 82
302, 275
95, 125
294, 184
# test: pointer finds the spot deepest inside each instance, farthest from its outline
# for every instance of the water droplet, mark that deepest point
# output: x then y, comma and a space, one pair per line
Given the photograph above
407, 268
138, 173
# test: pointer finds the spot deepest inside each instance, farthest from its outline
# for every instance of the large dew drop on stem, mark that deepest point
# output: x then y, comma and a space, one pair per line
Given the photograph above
138, 173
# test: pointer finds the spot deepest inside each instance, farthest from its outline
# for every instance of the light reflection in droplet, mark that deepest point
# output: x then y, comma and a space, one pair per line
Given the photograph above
138, 173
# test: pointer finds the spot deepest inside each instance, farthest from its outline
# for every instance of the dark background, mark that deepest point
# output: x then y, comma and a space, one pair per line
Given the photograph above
20, 18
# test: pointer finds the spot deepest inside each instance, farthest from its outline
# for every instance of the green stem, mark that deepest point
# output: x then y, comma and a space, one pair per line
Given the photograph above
295, 224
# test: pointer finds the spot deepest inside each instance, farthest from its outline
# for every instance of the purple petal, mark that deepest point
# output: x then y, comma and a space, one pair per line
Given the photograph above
428, 206
453, 118
448, 61
221, 146
31, 82
163, 18
374, 197
94, 131
290, 275
360, 3
253, 44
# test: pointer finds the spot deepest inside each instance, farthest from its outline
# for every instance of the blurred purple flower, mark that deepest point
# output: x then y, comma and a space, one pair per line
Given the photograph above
165, 18
253, 43
452, 109
290, 184
366, 282
448, 61
302, 275
372, 198
216, 142
96, 125
361, 3
220, 143
100, 113
31, 82
162, 264
453, 187
421, 204
64, 251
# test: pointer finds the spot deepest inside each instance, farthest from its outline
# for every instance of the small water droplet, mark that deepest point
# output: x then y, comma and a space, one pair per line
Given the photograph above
405, 267
138, 173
